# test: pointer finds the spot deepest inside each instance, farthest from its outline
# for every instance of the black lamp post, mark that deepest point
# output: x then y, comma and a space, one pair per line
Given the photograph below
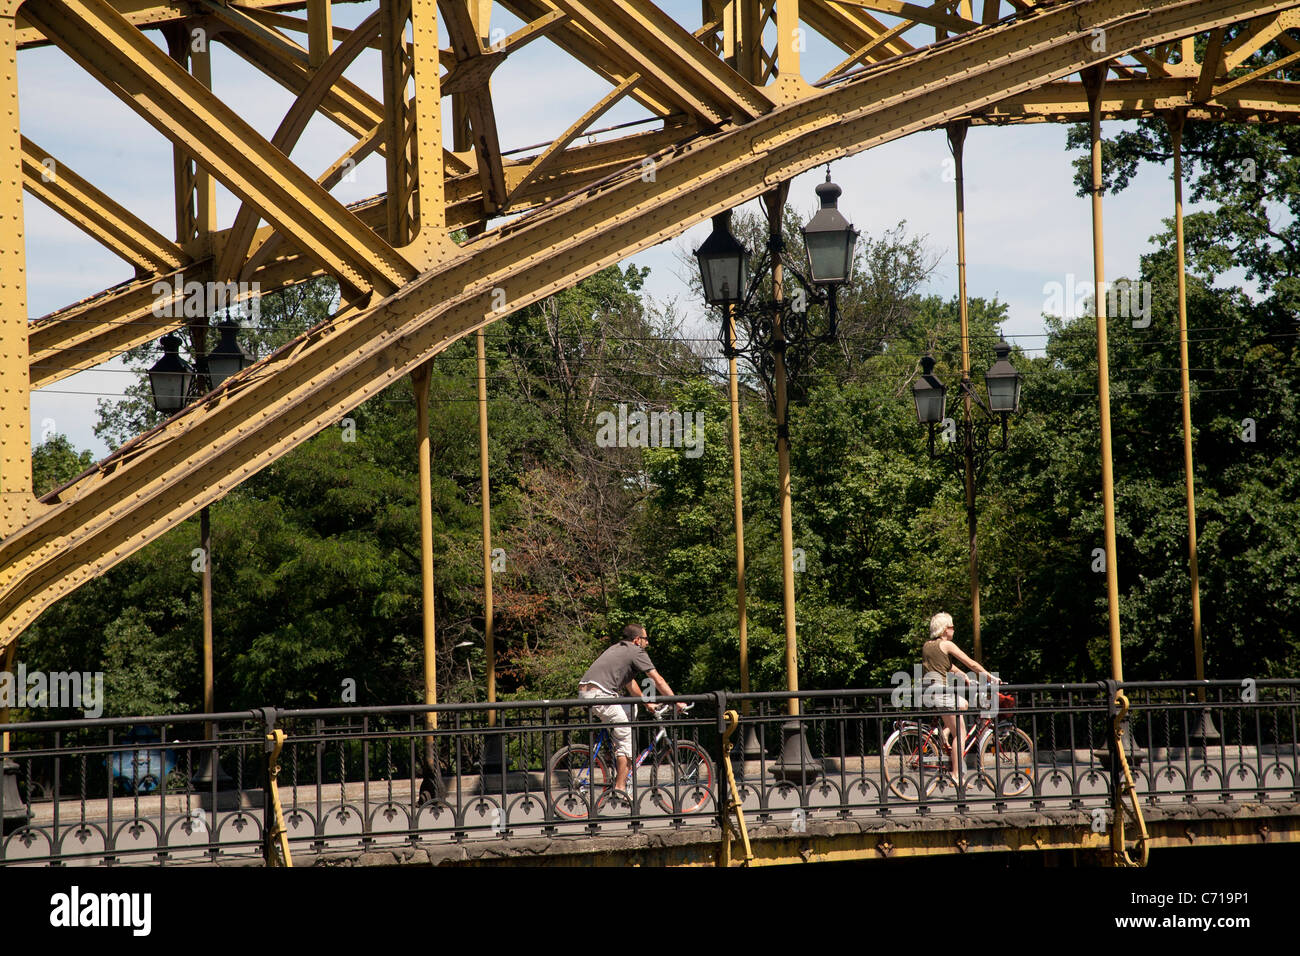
773, 327
173, 383
1003, 384
971, 453
775, 336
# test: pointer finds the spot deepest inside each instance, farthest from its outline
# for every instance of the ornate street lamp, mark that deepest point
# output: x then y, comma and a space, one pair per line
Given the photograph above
929, 393
775, 335
1003, 383
829, 239
724, 264
773, 326
174, 383
170, 378
971, 453
975, 442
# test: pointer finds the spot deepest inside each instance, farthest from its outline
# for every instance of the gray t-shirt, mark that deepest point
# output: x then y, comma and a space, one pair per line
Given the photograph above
613, 669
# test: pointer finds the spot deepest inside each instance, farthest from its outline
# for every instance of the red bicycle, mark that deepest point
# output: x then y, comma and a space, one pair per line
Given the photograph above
916, 756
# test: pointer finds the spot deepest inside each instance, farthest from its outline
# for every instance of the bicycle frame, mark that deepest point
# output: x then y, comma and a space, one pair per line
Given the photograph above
930, 731
603, 740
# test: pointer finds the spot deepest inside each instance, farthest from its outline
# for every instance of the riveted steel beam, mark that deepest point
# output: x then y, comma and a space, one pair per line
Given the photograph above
854, 30
1053, 832
194, 458
592, 52
17, 503
283, 21
104, 220
179, 107
323, 80
934, 16
151, 13
88, 333
475, 117
399, 119
555, 151
346, 104
667, 56
1254, 100
1249, 41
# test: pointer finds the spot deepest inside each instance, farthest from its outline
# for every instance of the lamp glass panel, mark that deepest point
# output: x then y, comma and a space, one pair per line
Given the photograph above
826, 256
933, 407
929, 403
723, 277
169, 390
221, 367
1002, 393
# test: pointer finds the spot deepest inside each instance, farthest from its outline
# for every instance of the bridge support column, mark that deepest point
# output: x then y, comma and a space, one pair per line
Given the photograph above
493, 750
1176, 121
420, 383
415, 160
742, 36
774, 203
737, 495
957, 143
8, 656
488, 635
15, 410
196, 222
1094, 78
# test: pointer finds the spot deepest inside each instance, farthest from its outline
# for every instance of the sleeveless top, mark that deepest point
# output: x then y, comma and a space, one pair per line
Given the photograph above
934, 661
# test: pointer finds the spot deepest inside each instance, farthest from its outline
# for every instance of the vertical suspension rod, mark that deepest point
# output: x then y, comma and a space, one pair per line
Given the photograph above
1094, 79
1176, 122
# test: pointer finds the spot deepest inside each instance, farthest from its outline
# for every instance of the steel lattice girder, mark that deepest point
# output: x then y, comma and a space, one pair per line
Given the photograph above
138, 493
86, 334
126, 62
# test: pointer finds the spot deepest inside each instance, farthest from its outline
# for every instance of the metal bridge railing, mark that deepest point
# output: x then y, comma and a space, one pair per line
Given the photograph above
153, 790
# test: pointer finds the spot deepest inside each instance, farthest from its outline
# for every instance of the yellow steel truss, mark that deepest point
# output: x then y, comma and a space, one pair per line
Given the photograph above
730, 119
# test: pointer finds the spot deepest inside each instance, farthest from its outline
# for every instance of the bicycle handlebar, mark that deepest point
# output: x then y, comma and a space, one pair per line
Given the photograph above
662, 710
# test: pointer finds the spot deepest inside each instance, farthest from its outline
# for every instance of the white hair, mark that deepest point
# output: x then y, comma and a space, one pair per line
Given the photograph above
940, 623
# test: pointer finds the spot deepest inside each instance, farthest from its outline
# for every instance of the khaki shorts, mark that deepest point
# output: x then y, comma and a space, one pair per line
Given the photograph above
612, 714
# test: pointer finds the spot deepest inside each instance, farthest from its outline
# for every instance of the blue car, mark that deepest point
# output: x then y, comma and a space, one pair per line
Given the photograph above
141, 771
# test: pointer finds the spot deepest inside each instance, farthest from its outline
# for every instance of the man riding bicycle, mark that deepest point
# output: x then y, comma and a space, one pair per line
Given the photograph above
612, 671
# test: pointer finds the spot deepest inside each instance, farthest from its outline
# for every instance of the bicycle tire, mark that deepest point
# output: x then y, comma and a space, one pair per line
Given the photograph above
910, 758
685, 772
1012, 754
574, 773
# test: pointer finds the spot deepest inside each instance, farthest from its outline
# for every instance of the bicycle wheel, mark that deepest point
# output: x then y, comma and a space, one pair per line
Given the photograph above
1010, 752
575, 773
685, 772
911, 761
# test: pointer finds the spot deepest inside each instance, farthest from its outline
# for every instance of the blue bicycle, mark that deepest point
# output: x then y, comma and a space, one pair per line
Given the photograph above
681, 774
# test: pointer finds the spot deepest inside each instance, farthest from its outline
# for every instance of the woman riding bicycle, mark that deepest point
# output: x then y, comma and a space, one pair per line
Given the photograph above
937, 656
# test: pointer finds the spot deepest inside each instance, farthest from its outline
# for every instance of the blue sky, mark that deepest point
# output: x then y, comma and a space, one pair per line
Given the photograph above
1025, 226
